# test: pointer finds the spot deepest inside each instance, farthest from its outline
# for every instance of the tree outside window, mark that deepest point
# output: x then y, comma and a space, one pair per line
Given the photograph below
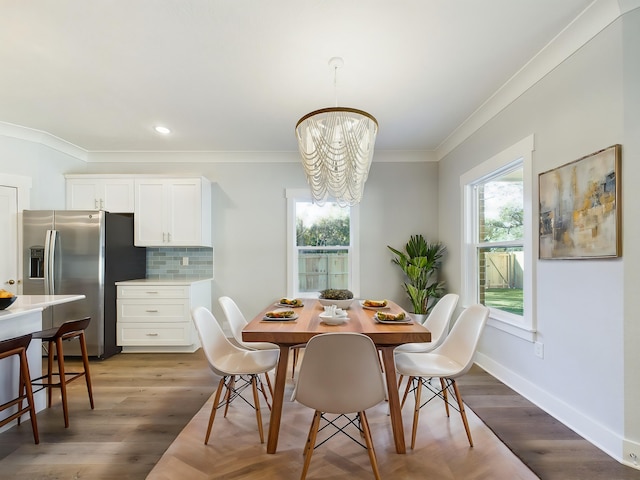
500, 210
323, 246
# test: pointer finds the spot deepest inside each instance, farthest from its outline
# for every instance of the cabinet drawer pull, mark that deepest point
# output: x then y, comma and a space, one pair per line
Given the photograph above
152, 311
151, 292
152, 334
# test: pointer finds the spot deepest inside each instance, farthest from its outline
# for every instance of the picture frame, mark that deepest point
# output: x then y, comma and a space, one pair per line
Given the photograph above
580, 208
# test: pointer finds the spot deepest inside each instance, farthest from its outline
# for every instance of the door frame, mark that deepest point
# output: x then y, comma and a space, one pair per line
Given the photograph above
23, 185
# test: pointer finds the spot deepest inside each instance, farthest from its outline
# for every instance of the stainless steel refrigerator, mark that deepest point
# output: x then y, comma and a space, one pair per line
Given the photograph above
81, 252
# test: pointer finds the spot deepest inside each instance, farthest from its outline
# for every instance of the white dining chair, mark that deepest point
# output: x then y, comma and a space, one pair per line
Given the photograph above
437, 323
237, 321
340, 374
237, 367
452, 359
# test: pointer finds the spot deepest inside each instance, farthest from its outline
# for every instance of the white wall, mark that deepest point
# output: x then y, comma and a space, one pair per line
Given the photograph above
575, 110
631, 202
46, 167
249, 221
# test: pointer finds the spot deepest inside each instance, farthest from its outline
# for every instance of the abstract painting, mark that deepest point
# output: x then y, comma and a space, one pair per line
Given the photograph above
580, 208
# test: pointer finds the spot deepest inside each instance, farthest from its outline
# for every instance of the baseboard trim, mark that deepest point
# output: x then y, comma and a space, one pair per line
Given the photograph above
591, 430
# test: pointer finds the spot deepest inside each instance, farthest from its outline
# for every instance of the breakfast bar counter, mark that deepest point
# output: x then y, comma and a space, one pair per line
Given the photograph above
22, 317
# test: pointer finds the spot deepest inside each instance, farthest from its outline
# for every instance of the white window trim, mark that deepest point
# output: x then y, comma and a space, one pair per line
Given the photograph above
294, 195
523, 327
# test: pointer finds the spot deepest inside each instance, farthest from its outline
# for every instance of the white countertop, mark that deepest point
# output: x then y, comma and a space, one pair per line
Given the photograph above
150, 281
29, 303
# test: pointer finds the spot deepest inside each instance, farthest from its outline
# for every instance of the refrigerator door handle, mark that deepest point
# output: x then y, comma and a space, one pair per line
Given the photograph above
49, 261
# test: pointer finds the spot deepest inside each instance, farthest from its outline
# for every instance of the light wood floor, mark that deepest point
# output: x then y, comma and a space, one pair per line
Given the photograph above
234, 452
144, 401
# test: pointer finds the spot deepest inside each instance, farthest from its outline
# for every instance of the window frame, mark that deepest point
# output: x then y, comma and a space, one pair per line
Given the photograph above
303, 195
520, 153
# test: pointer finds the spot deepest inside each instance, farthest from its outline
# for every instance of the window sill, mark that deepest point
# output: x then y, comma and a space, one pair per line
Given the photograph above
519, 331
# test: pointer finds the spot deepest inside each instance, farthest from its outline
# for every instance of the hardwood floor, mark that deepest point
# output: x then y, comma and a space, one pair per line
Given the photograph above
144, 401
234, 452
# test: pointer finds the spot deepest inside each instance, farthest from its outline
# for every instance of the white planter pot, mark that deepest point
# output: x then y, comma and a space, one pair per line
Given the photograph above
419, 317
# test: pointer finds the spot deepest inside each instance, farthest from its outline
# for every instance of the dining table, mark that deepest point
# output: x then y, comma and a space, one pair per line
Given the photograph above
307, 323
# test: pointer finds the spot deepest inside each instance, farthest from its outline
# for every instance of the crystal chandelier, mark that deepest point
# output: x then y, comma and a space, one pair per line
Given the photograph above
336, 145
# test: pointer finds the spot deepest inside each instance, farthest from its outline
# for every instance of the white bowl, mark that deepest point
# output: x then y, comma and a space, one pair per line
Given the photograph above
344, 304
329, 320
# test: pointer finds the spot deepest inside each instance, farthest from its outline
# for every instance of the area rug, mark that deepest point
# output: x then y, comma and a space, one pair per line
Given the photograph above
549, 448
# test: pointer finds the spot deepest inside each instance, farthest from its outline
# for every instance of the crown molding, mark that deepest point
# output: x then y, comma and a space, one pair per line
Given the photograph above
595, 18
382, 156
43, 138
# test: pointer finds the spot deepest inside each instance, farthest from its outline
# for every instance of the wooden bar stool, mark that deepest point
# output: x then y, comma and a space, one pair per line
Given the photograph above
18, 346
55, 336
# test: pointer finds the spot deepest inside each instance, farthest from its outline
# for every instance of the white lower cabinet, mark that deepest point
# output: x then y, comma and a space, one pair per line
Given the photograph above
155, 315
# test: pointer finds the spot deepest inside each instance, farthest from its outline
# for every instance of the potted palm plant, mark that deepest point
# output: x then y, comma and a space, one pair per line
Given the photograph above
420, 262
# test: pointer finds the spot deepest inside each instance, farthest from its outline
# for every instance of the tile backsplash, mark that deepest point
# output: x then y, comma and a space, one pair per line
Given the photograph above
167, 263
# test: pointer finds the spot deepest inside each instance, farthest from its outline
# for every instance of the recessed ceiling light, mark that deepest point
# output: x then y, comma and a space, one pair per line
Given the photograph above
162, 130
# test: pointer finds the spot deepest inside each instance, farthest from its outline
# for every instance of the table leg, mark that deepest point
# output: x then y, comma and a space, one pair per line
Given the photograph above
278, 399
394, 399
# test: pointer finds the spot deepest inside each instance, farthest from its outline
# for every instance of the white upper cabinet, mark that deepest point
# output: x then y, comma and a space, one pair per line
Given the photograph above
172, 212
100, 193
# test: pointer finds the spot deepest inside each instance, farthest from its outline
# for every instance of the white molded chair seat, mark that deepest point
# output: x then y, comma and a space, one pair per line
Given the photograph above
340, 374
437, 323
449, 361
237, 322
229, 362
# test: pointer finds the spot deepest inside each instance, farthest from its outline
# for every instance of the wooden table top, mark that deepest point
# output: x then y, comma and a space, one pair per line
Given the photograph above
309, 323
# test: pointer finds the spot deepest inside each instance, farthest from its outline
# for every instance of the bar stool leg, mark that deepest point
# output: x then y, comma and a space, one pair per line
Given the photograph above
63, 383
26, 384
50, 354
85, 363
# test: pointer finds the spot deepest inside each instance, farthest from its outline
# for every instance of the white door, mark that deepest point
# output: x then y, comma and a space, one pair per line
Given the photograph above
9, 238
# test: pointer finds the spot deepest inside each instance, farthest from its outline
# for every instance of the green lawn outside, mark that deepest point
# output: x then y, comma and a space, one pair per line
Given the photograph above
507, 299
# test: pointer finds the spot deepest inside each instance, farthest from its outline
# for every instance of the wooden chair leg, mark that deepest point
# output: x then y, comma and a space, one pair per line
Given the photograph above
311, 441
63, 383
400, 377
369, 442
85, 363
50, 355
214, 408
266, 375
232, 384
406, 391
256, 400
26, 384
416, 412
462, 412
264, 393
445, 395
308, 443
294, 362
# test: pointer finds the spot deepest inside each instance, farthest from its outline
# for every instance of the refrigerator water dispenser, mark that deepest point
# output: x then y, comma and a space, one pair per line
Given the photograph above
36, 263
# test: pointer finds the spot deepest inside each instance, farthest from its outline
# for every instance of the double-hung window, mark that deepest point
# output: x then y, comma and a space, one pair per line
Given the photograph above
498, 249
322, 246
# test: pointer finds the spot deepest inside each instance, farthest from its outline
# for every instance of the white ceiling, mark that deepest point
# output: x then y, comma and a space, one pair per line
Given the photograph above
236, 75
